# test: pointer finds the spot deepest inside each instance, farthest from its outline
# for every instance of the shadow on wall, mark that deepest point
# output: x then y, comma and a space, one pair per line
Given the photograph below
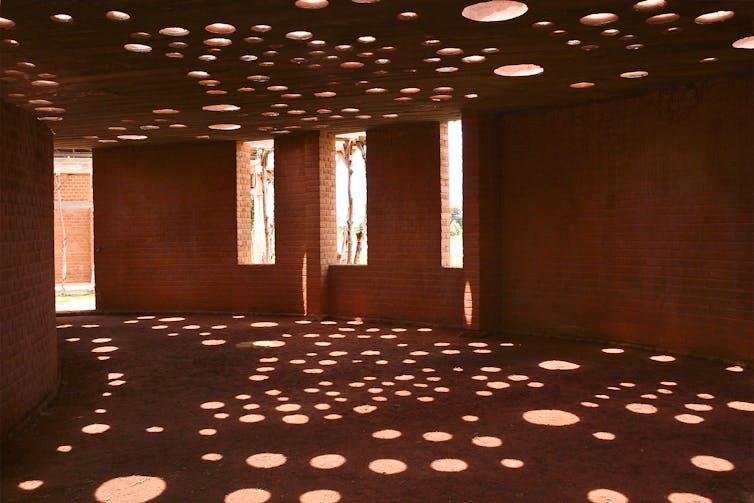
235, 409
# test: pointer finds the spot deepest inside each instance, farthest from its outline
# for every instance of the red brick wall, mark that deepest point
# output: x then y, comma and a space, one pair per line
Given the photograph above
404, 278
28, 346
632, 220
166, 229
79, 228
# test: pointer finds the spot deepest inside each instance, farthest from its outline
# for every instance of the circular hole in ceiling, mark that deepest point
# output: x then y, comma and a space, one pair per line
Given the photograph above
598, 19
496, 10
224, 127
366, 39
744, 43
351, 64
299, 35
407, 16
581, 85
221, 108
714, 17
6, 23
636, 74
261, 28
218, 42
668, 17
62, 18
174, 31
133, 137
178, 45
649, 5
116, 15
221, 28
44, 83
474, 59
450, 51
522, 70
312, 4
141, 48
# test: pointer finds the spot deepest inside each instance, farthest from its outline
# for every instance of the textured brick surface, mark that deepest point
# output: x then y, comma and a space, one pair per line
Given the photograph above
28, 347
167, 228
79, 228
632, 220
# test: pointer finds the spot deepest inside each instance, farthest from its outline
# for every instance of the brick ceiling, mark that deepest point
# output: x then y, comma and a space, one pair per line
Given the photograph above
97, 71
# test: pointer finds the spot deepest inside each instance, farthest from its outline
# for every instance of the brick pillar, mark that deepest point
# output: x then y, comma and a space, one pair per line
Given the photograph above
482, 198
243, 202
305, 211
404, 194
28, 343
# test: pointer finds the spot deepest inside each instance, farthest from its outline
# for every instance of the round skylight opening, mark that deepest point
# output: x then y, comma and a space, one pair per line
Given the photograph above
220, 28
221, 108
224, 127
218, 42
495, 10
581, 85
407, 16
174, 31
312, 4
649, 5
474, 59
116, 15
744, 43
299, 35
598, 19
522, 70
6, 24
62, 18
714, 17
261, 28
636, 74
668, 17
140, 48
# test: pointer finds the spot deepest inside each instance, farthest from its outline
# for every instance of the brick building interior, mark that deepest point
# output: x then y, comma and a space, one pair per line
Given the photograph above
596, 344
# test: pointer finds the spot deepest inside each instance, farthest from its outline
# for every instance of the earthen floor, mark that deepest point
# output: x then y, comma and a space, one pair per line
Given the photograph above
213, 408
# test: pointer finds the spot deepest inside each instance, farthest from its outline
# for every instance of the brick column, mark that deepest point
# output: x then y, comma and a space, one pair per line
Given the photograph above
482, 185
305, 211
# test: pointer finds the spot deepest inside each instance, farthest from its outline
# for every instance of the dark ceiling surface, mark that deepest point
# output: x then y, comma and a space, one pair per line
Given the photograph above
346, 66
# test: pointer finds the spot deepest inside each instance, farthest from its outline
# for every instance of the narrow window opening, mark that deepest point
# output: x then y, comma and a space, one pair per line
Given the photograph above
451, 187
351, 195
74, 231
256, 202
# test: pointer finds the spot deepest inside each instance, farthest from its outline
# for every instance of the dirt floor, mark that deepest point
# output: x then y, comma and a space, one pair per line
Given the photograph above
239, 409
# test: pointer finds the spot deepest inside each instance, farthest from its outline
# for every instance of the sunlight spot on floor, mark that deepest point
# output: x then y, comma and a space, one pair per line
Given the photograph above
251, 418
387, 466
606, 496
96, 428
641, 408
550, 417
449, 465
486, 441
712, 463
511, 463
327, 461
248, 496
131, 489
320, 496
30, 485
437, 436
687, 498
558, 365
266, 460
743, 406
